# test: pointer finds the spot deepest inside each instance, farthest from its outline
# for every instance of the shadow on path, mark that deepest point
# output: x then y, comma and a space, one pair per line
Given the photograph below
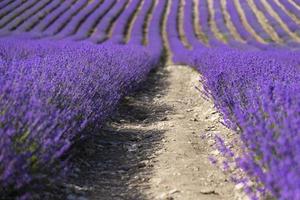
115, 163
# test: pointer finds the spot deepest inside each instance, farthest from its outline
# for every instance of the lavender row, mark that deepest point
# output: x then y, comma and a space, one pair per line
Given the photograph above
253, 22
155, 41
287, 4
177, 47
93, 20
220, 21
31, 21
8, 8
81, 17
221, 24
16, 10
69, 17
271, 21
5, 3
284, 25
188, 26
118, 35
204, 23
20, 19
52, 17
290, 24
234, 16
65, 18
100, 33
257, 93
137, 33
51, 93
287, 19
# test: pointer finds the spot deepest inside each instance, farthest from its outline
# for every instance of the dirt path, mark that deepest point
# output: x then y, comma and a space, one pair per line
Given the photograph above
152, 148
182, 169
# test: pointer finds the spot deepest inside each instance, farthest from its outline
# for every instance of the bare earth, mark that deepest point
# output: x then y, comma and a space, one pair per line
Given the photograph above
182, 169
154, 147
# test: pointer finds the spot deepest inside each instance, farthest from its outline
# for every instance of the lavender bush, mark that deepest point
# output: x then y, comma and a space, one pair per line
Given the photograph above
50, 92
257, 93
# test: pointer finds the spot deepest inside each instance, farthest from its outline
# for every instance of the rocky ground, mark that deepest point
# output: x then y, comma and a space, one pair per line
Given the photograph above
156, 146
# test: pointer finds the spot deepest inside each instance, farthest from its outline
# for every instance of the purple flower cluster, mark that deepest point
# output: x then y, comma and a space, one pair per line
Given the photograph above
50, 94
258, 95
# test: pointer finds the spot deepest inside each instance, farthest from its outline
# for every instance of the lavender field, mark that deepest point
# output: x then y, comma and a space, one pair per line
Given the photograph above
65, 66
